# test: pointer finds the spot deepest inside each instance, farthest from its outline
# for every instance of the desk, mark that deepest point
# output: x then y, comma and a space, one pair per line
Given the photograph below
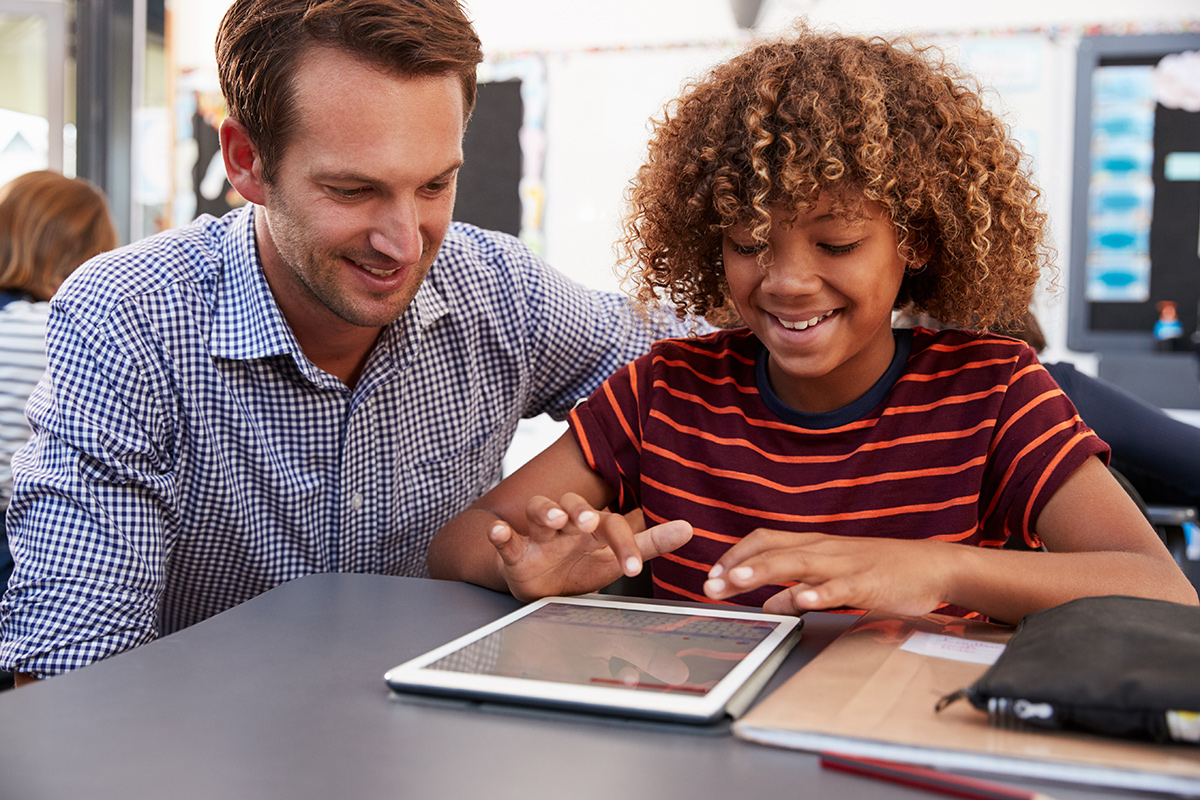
283, 697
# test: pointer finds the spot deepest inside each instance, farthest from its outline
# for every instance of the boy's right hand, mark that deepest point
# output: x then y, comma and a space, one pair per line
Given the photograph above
570, 548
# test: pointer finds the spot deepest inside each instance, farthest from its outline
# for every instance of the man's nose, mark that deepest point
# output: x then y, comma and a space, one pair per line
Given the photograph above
397, 231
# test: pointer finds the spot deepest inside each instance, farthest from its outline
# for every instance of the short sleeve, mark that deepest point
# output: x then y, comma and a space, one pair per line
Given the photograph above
1040, 442
608, 427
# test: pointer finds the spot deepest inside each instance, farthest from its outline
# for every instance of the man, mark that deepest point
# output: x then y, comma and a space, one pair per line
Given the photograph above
313, 383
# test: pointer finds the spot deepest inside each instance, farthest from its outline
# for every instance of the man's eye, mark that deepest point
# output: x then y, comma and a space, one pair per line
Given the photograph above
348, 194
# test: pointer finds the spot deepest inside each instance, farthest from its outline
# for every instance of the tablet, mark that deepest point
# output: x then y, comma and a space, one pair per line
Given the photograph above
609, 656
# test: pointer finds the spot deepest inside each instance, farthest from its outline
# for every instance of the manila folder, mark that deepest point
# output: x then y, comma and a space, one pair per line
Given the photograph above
872, 693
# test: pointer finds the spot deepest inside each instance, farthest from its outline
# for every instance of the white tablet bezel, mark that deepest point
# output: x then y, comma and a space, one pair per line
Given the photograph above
412, 675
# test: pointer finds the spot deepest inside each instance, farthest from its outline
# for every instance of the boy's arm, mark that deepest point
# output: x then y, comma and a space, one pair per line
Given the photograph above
517, 539
1099, 544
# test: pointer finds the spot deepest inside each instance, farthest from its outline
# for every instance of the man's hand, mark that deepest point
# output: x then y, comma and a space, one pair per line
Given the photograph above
571, 548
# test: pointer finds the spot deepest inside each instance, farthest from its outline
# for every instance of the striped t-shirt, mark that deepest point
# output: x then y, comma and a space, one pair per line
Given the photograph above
22, 362
963, 439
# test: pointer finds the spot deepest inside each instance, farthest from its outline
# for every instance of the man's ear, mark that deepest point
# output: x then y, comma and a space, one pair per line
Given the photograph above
243, 166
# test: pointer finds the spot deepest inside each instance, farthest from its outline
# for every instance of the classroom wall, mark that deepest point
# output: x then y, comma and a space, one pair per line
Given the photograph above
602, 69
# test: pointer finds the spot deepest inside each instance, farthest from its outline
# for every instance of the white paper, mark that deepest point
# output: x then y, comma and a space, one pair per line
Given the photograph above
953, 647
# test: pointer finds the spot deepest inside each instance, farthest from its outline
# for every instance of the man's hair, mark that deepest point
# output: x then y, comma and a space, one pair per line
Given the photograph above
49, 225
260, 42
852, 118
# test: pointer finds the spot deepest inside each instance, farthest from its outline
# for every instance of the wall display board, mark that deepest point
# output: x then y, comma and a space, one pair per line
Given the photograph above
1135, 233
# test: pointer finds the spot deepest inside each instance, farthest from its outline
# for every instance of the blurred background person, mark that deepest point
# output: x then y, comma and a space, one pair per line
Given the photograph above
49, 225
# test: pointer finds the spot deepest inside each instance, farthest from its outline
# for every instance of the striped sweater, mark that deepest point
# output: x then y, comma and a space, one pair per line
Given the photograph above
963, 439
22, 362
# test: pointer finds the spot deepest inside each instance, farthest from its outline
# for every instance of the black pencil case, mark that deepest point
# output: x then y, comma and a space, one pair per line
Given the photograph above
1121, 666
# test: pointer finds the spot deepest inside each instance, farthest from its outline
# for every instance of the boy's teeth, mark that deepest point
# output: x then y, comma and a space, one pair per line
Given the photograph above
804, 324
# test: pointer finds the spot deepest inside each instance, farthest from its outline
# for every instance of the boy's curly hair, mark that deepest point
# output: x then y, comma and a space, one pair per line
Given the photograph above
791, 119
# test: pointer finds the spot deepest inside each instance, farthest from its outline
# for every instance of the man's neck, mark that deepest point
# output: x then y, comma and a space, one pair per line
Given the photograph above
342, 353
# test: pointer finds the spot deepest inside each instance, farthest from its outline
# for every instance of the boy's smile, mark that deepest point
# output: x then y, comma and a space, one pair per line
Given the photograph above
821, 301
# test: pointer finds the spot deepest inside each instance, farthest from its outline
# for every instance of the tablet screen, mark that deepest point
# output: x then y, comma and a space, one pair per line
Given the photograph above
618, 647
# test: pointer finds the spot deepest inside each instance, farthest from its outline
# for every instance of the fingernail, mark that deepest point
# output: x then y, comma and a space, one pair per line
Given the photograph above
632, 566
715, 586
556, 515
741, 573
807, 596
587, 516
716, 571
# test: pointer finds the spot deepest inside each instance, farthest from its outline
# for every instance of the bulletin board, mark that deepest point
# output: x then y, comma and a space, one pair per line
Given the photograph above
1135, 234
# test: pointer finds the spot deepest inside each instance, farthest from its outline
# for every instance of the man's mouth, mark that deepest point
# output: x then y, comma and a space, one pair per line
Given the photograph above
379, 273
805, 324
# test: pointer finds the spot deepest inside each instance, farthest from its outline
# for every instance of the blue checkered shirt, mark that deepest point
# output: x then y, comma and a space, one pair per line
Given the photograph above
186, 456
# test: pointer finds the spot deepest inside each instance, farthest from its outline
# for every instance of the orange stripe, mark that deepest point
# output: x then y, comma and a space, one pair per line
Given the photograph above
863, 480
931, 376
814, 518
637, 403
831, 459
1012, 467
687, 367
1054, 462
955, 537
1018, 415
715, 355
581, 435
714, 536
949, 400
687, 562
620, 415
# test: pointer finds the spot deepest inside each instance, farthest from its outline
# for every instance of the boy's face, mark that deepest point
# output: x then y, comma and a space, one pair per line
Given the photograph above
823, 304
363, 194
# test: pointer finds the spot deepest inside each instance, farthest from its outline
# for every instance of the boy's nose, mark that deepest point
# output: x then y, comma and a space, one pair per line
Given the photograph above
789, 276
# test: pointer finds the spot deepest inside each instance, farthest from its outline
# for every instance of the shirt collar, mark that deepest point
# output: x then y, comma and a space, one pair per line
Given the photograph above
247, 323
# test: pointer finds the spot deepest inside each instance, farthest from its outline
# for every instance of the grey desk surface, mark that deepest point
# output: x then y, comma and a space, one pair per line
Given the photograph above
283, 697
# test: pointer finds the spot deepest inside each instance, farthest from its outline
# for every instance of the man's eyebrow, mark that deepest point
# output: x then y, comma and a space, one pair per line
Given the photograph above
449, 170
354, 177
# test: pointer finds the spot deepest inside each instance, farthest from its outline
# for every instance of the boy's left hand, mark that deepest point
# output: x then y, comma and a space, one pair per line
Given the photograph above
894, 575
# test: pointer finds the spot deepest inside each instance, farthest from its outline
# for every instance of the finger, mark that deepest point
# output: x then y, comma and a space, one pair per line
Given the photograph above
508, 544
784, 565
580, 512
615, 532
545, 517
756, 543
663, 538
795, 600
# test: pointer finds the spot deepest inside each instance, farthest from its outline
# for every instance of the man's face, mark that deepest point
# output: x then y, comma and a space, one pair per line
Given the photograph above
363, 194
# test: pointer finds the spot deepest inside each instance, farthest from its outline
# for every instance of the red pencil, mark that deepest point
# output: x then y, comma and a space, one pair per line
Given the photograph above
930, 779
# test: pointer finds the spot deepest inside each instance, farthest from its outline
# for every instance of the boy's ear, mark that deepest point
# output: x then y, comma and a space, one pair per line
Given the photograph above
243, 166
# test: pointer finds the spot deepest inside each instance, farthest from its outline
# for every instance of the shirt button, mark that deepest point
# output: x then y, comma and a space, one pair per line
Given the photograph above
356, 501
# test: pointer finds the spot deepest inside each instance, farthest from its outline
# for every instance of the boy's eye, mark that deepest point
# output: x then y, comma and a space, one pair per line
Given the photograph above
839, 249
752, 249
